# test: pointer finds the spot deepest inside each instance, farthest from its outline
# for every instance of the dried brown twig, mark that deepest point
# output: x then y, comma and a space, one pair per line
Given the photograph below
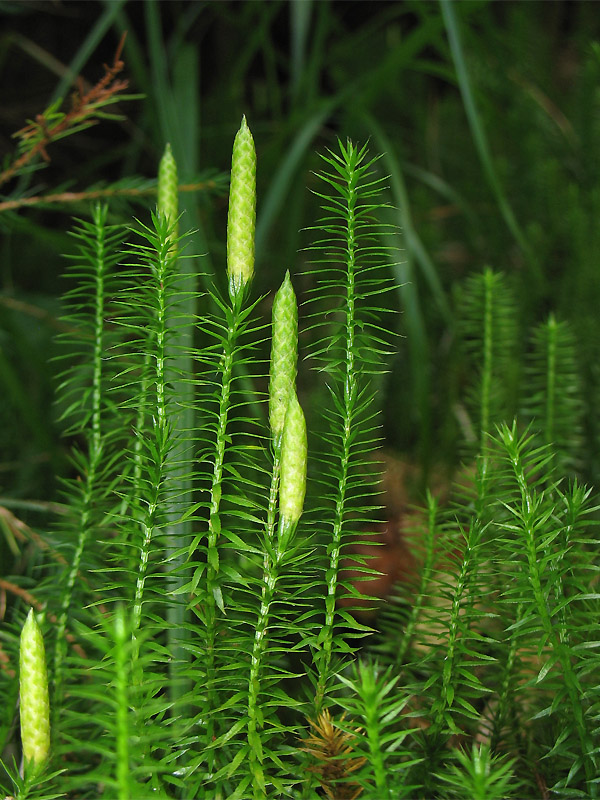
31, 600
52, 124
97, 194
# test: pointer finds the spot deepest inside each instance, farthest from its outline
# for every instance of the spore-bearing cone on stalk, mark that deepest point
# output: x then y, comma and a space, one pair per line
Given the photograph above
241, 218
33, 685
284, 355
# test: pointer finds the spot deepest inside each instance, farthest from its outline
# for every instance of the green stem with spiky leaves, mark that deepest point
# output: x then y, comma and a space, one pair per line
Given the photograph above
287, 443
241, 223
97, 247
424, 585
348, 165
291, 500
159, 256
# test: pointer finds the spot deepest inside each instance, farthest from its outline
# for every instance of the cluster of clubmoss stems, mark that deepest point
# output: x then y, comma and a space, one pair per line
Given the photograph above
563, 649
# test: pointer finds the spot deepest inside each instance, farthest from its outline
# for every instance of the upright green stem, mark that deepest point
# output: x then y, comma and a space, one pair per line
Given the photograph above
507, 683
241, 223
426, 574
350, 389
180, 364
161, 434
94, 450
214, 595
288, 432
269, 582
450, 673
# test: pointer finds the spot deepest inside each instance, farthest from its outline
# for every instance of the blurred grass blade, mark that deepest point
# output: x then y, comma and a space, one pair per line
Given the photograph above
415, 248
275, 198
300, 16
477, 130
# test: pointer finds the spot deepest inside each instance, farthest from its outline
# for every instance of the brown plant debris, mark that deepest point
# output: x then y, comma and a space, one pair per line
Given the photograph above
332, 748
52, 124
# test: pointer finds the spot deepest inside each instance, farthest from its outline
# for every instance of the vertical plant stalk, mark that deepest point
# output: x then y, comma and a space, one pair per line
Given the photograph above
372, 695
425, 581
451, 674
160, 258
33, 685
168, 207
374, 702
352, 159
241, 224
489, 328
137, 459
372, 690
556, 406
291, 501
506, 704
284, 355
95, 445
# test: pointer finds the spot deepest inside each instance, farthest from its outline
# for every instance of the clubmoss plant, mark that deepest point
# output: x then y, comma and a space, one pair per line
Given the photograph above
488, 327
84, 398
195, 594
480, 775
555, 406
348, 268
